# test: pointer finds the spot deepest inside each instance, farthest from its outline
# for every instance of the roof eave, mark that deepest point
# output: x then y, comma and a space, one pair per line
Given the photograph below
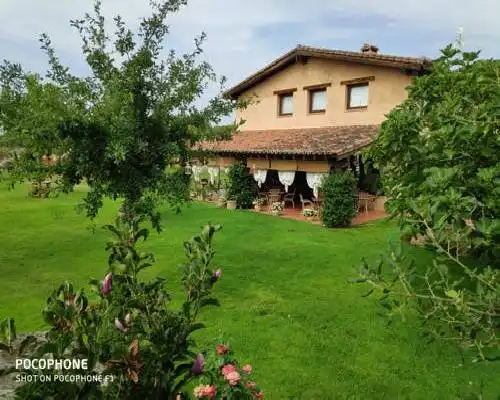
285, 60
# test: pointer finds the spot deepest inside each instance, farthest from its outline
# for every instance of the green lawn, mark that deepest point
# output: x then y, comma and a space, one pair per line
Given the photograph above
286, 306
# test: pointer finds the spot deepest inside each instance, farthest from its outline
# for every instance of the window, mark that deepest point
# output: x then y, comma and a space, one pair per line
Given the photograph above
357, 96
317, 100
285, 104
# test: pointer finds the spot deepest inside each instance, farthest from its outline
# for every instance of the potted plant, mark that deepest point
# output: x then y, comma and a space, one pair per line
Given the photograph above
221, 202
278, 207
259, 203
231, 203
309, 213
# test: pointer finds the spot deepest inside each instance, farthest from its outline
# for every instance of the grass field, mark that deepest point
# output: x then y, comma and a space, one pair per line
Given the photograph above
286, 305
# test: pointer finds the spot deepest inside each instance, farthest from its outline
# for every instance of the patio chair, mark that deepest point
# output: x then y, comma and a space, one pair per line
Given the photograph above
365, 201
275, 193
290, 198
305, 202
262, 195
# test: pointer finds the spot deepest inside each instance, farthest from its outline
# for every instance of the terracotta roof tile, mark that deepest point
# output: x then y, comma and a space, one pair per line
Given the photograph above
410, 63
332, 140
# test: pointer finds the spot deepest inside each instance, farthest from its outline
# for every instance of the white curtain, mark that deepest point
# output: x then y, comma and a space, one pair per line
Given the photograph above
213, 172
286, 178
260, 176
358, 96
196, 170
287, 104
318, 100
314, 181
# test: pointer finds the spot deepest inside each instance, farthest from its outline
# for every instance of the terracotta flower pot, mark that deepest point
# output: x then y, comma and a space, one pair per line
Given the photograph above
231, 204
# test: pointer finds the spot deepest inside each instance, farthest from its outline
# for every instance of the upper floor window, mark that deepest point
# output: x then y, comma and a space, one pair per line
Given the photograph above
285, 106
357, 96
317, 100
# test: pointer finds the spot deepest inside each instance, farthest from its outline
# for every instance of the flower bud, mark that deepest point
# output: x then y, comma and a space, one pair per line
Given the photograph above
198, 365
106, 284
216, 275
120, 326
128, 319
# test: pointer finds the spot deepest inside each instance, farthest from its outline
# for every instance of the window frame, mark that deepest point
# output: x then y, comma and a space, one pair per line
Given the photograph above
348, 95
281, 96
310, 95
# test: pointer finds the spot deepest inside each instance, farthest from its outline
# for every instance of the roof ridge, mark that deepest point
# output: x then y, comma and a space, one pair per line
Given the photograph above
405, 62
374, 55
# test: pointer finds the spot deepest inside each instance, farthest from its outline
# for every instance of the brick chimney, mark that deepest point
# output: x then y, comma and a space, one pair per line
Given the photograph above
368, 48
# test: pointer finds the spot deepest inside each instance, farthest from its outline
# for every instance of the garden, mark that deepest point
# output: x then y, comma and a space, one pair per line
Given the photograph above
286, 306
105, 256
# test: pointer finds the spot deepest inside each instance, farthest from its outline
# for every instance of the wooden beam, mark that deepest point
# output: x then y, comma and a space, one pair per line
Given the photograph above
284, 91
358, 80
320, 86
301, 59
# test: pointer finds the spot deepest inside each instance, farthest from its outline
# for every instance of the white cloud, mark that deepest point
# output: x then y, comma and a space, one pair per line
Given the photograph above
235, 44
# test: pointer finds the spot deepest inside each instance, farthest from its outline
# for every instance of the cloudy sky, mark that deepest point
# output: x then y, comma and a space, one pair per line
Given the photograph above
244, 35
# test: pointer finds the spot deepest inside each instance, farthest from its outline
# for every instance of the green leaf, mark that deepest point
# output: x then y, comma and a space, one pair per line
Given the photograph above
196, 327
210, 302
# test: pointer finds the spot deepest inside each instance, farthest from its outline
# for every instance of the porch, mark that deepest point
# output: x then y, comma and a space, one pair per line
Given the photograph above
296, 213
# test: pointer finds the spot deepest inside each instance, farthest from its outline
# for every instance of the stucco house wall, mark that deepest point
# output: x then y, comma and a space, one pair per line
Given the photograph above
387, 90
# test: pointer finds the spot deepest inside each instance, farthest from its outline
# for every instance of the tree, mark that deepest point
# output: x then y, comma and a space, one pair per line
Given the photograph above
118, 130
124, 123
440, 154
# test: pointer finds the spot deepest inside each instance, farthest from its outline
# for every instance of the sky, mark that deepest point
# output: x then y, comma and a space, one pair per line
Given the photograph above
244, 36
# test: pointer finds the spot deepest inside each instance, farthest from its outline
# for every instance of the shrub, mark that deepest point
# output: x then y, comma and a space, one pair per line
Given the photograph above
241, 185
440, 155
277, 207
339, 205
224, 378
309, 212
441, 168
131, 331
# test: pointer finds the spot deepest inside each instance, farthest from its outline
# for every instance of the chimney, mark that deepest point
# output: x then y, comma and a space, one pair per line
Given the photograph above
368, 48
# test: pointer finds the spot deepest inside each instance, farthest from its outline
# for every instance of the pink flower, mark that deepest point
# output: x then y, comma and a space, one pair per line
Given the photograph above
233, 378
247, 369
221, 349
227, 369
106, 284
216, 275
205, 391
210, 391
120, 326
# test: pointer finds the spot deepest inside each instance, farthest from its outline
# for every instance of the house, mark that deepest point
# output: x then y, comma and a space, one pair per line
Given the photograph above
314, 109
